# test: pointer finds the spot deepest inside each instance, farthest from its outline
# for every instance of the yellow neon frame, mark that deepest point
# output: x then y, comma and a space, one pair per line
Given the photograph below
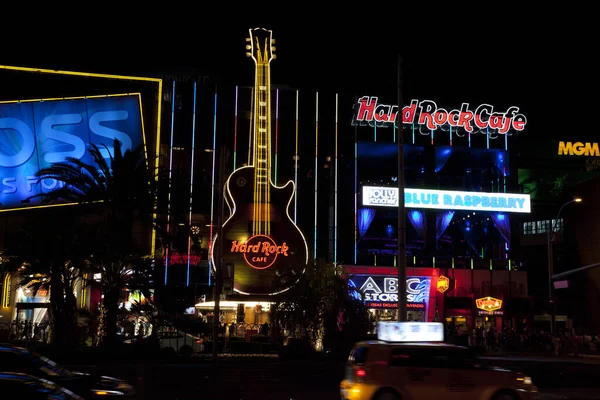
159, 83
6, 290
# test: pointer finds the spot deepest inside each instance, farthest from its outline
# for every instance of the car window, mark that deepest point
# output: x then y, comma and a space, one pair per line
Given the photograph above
49, 367
432, 358
359, 355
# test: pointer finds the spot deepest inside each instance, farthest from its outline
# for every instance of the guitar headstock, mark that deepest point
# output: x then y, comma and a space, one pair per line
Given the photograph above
260, 46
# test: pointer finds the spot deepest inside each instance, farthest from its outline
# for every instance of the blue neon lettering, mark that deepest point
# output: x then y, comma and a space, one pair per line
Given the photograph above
27, 142
48, 130
447, 200
112, 134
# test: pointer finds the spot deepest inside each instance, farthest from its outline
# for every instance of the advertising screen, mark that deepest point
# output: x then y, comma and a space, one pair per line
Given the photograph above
36, 134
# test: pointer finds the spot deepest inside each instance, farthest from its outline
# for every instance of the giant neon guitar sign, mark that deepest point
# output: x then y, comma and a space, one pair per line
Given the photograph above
259, 237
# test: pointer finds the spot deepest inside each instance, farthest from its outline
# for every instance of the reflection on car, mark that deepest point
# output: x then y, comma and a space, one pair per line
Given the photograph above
20, 360
23, 386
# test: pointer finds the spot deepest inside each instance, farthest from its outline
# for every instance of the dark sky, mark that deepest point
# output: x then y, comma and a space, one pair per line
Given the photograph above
535, 59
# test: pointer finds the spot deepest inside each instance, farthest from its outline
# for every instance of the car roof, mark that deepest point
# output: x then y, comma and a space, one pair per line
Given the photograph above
13, 349
415, 345
16, 376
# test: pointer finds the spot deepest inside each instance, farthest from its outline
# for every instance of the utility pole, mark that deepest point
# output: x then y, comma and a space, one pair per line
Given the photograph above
401, 258
223, 156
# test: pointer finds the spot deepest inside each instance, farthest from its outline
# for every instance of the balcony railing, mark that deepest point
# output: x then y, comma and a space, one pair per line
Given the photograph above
388, 260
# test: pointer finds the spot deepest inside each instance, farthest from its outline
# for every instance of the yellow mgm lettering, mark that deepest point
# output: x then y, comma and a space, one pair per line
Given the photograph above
578, 149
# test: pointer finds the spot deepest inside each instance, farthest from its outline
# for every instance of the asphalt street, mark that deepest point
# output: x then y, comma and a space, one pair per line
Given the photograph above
248, 379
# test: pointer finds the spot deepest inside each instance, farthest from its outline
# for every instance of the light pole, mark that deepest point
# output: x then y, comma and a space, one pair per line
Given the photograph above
401, 258
551, 236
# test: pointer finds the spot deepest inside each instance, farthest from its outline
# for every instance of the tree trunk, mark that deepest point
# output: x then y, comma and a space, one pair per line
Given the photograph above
57, 305
111, 309
70, 315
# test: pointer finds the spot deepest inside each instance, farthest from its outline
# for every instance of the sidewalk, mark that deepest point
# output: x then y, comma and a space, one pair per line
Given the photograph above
570, 358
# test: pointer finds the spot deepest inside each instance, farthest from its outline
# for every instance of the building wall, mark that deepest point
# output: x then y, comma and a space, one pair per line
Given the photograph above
587, 234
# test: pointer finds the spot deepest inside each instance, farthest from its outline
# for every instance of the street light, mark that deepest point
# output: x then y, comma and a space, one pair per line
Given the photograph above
551, 236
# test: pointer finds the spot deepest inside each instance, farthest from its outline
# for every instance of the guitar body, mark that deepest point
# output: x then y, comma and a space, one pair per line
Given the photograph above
277, 246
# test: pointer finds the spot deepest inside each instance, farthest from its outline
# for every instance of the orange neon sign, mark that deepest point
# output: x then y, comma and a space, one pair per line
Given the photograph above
443, 284
260, 251
488, 303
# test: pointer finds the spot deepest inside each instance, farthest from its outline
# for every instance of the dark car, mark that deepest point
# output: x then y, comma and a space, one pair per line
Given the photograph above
21, 360
22, 386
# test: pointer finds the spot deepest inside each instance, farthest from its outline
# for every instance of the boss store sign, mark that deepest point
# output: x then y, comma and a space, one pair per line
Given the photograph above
382, 291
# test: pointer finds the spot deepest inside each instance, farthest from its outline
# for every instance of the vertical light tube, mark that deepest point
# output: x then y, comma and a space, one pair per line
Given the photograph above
212, 190
355, 189
487, 138
167, 247
316, 171
276, 133
189, 248
296, 165
506, 141
335, 193
235, 127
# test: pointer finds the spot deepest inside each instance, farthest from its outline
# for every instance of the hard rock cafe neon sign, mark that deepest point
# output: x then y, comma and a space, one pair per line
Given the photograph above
488, 303
443, 284
260, 251
426, 113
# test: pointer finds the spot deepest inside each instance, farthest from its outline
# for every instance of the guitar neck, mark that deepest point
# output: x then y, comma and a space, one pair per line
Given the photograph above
262, 148
262, 120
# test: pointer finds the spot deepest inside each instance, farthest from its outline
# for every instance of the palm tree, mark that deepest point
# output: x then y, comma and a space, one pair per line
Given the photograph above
49, 255
121, 192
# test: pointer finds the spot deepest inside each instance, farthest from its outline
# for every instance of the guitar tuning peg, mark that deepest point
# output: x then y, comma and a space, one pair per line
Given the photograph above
273, 48
248, 54
248, 47
272, 41
274, 56
247, 39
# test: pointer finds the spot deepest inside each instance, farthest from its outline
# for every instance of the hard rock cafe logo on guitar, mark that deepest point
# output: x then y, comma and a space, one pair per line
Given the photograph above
260, 251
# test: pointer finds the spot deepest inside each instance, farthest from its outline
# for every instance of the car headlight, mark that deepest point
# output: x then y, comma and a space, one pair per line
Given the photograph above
102, 392
525, 380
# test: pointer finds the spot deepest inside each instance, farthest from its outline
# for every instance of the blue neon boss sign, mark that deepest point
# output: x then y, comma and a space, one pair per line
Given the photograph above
37, 134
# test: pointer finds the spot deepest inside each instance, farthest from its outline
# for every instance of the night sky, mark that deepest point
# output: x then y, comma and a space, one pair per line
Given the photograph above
537, 61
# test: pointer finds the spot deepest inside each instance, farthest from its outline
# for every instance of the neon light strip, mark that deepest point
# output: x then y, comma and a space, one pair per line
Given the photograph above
375, 132
469, 136
432, 135
316, 169
505, 142
159, 81
487, 138
167, 247
212, 195
235, 127
296, 165
355, 189
189, 249
335, 195
413, 133
276, 132
450, 135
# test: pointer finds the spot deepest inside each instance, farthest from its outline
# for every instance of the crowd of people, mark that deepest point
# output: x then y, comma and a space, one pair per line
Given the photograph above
527, 341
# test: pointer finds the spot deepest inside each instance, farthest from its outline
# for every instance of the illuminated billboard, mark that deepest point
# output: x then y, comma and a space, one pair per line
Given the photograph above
382, 291
34, 134
447, 199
